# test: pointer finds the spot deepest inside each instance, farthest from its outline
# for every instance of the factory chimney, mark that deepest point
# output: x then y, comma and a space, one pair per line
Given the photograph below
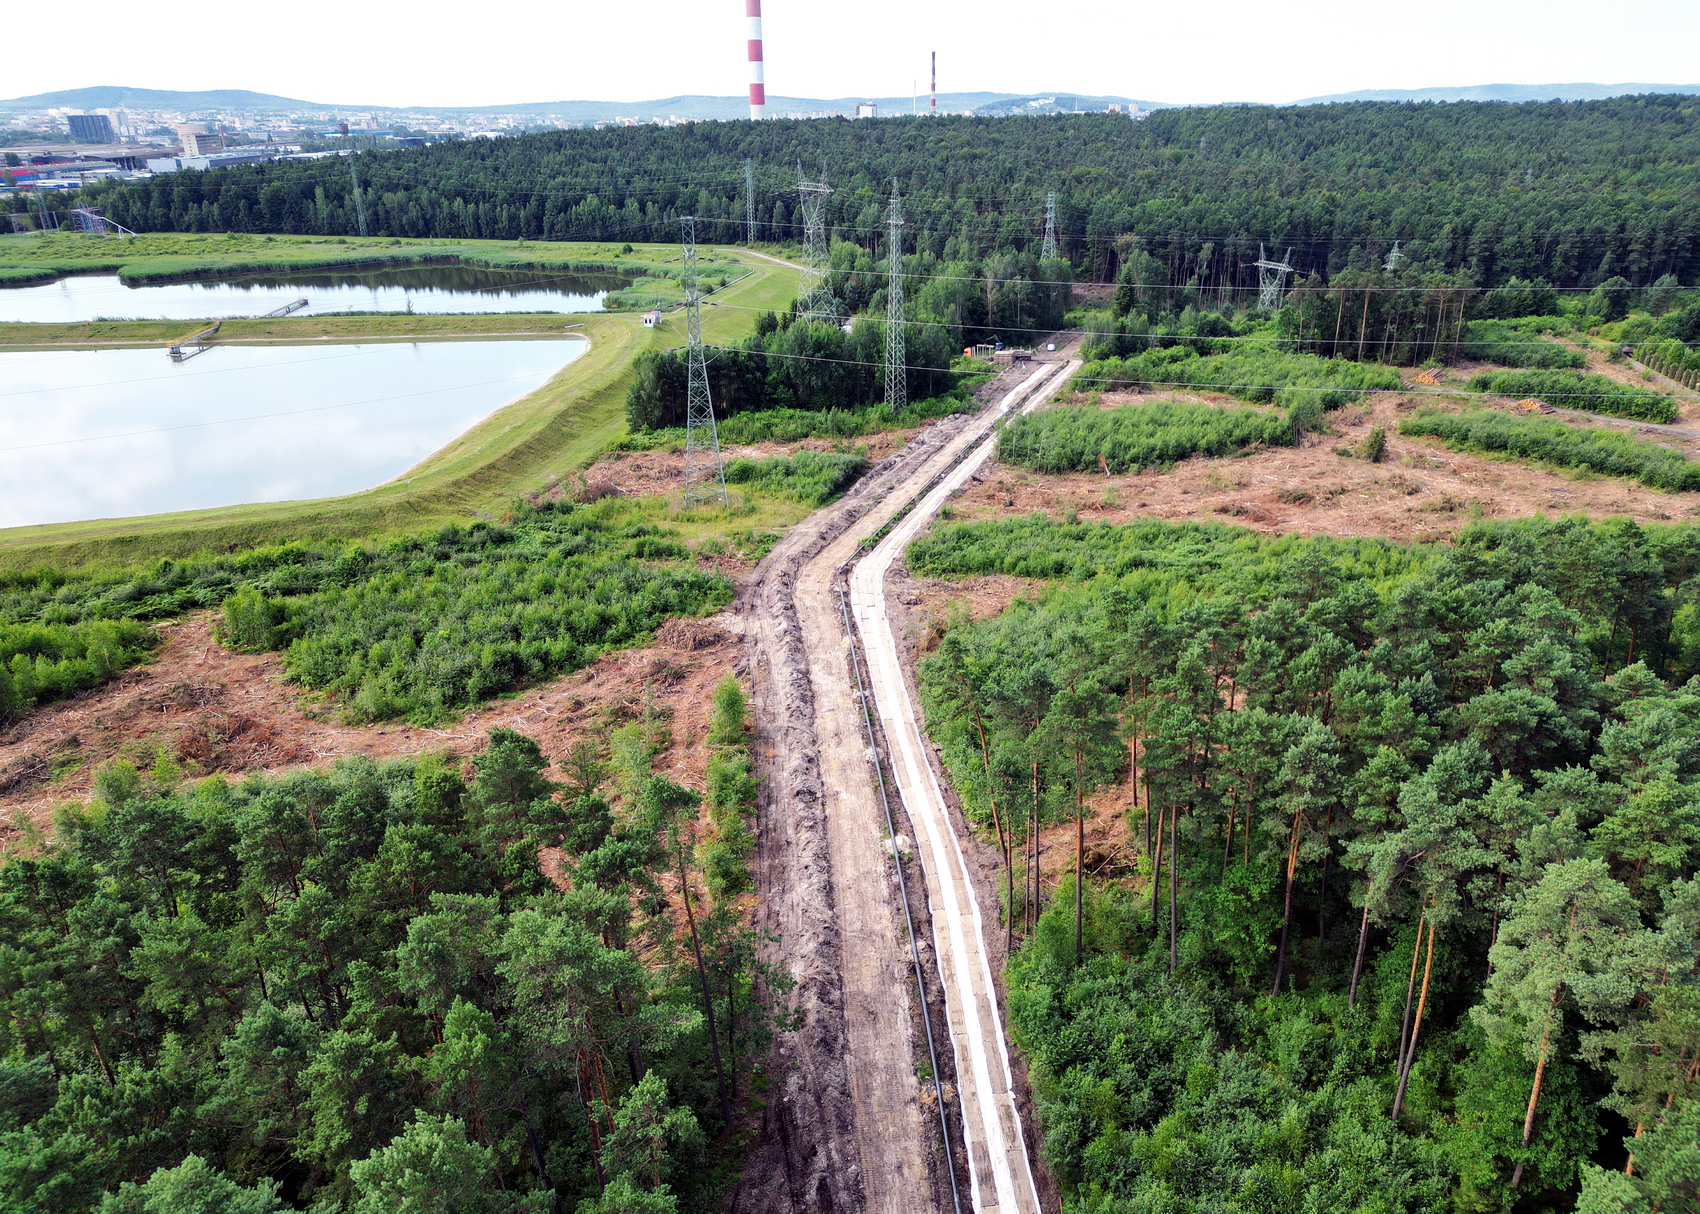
934, 111
758, 87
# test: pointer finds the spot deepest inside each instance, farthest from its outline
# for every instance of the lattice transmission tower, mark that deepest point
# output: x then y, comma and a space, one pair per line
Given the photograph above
705, 477
1048, 250
1271, 278
749, 201
1395, 255
896, 358
814, 297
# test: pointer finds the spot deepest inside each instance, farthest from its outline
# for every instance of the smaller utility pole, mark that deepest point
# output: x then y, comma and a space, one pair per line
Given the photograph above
705, 478
1048, 250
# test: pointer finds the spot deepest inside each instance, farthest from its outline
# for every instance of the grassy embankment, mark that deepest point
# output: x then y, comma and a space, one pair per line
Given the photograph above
166, 257
544, 436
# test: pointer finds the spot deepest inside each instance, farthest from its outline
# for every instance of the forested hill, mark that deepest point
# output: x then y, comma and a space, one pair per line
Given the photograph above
1573, 192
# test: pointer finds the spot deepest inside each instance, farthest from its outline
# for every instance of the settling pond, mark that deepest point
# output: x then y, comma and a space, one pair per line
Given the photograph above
423, 289
90, 434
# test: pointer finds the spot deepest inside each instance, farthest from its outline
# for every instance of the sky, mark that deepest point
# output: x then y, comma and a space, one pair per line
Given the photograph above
631, 50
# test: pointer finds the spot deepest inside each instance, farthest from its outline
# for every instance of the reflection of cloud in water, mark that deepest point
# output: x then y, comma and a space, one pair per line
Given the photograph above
107, 433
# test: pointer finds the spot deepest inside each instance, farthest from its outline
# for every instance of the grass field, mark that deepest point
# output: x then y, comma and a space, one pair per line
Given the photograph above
543, 437
171, 255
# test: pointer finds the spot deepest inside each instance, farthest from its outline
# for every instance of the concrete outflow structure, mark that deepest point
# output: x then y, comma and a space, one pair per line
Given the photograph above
850, 1128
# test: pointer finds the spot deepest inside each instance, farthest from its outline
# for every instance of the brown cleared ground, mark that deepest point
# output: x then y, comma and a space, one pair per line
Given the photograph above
213, 711
1420, 491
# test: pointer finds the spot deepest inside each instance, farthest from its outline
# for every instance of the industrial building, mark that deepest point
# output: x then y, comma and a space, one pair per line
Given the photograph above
198, 141
214, 160
95, 128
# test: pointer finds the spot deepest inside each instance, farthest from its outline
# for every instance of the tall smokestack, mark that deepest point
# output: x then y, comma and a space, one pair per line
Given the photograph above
758, 87
934, 111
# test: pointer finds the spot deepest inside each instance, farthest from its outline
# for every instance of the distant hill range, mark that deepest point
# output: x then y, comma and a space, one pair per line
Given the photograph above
687, 106
113, 97
706, 107
1504, 92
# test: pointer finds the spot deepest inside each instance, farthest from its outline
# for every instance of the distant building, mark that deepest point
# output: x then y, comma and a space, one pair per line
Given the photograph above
217, 160
867, 109
652, 318
198, 141
96, 128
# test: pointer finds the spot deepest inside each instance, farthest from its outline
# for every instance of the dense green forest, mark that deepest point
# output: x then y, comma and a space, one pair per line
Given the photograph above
1569, 192
414, 626
1327, 753
356, 989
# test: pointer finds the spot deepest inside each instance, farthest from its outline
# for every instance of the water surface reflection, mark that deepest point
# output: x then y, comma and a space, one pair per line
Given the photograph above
106, 433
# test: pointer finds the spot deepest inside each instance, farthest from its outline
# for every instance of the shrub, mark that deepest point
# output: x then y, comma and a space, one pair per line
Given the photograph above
1513, 346
1253, 374
1552, 441
1135, 436
1577, 390
811, 477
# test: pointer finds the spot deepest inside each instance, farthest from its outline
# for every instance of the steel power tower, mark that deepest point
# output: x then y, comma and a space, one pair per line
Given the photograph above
749, 201
896, 359
814, 298
705, 478
1271, 277
1395, 255
1048, 250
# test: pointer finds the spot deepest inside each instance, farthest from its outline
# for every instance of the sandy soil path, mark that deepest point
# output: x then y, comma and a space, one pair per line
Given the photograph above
853, 1128
1000, 1173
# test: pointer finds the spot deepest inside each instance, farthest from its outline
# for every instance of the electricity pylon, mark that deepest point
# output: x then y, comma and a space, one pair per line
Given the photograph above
749, 201
1394, 257
896, 360
705, 478
814, 297
1271, 277
1048, 250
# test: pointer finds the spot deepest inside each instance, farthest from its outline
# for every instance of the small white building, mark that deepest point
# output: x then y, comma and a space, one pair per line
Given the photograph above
652, 318
867, 109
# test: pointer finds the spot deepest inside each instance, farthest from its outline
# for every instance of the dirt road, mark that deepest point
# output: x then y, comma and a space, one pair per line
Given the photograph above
1000, 1174
850, 1129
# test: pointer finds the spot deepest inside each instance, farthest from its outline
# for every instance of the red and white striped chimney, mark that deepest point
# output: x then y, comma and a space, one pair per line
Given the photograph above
758, 87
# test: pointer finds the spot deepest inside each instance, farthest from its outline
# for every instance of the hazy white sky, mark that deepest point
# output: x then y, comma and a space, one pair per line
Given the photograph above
629, 50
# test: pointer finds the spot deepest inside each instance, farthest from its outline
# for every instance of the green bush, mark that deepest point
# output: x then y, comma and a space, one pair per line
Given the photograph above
1514, 346
1545, 438
1135, 436
811, 477
417, 626
252, 622
1252, 374
1578, 390
43, 662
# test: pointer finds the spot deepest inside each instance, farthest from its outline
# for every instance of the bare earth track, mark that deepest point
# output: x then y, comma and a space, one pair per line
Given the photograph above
848, 1129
